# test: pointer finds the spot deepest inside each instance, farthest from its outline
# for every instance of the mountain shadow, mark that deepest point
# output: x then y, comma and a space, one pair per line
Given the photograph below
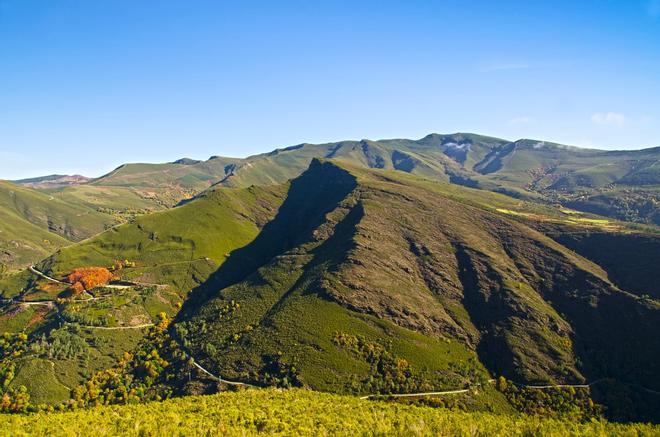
310, 196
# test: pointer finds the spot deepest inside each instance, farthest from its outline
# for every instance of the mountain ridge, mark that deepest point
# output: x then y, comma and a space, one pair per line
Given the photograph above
354, 280
361, 284
591, 180
624, 185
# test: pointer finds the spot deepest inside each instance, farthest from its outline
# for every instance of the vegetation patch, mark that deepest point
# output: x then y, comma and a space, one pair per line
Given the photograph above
297, 412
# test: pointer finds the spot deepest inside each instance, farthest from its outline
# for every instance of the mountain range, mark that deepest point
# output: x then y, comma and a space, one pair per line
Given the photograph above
365, 267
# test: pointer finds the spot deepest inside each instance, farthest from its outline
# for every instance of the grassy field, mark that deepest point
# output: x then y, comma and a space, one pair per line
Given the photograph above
295, 412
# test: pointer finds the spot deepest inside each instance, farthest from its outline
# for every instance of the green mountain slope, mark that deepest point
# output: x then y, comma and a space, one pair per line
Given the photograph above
184, 174
76, 207
22, 242
440, 157
70, 221
34, 224
522, 164
630, 259
360, 270
170, 253
355, 280
620, 184
164, 245
52, 181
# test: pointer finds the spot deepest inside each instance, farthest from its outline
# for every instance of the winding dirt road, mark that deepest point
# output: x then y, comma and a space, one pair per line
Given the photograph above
45, 276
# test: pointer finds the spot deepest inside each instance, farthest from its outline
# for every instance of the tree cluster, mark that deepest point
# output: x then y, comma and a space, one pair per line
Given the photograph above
12, 399
561, 402
86, 278
389, 373
146, 374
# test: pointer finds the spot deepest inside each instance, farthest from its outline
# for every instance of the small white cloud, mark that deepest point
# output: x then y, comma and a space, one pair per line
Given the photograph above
609, 119
520, 120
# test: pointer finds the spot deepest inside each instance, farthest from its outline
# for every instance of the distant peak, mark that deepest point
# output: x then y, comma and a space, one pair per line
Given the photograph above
186, 161
53, 181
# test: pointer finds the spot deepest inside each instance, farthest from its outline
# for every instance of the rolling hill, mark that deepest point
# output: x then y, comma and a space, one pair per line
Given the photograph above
52, 181
356, 280
34, 224
170, 253
166, 184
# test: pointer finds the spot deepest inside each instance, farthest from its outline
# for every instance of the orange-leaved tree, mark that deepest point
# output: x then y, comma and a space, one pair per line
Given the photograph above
86, 278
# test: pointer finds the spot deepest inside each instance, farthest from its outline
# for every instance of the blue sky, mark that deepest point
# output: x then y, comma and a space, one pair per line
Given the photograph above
88, 85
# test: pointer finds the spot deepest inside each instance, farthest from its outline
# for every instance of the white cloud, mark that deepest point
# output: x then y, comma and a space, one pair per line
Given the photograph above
520, 120
609, 119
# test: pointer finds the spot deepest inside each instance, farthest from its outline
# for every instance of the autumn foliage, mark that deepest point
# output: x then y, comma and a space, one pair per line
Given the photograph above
121, 264
86, 278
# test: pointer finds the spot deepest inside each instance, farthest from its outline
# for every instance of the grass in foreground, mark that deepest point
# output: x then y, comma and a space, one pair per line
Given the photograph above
294, 412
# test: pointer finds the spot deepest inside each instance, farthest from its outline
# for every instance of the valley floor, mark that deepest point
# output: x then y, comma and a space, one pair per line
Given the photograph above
295, 412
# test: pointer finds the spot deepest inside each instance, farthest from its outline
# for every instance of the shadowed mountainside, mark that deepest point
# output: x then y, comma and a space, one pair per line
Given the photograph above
399, 264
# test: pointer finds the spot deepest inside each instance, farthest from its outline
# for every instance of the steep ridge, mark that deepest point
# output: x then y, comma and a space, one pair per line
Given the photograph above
384, 284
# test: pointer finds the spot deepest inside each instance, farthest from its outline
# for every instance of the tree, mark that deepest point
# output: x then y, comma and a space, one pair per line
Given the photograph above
86, 278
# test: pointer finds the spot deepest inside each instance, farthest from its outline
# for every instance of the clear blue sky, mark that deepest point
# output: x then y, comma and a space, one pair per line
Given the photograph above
87, 85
